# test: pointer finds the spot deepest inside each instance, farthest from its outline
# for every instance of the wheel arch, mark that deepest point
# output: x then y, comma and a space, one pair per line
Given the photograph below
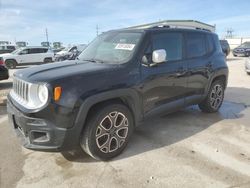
11, 59
128, 97
220, 74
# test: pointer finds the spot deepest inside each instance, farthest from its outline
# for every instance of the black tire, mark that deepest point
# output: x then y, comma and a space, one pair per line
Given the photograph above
10, 64
214, 99
101, 139
234, 55
248, 73
47, 60
247, 54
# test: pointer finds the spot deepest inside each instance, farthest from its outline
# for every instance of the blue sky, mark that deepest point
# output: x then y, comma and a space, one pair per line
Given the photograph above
74, 21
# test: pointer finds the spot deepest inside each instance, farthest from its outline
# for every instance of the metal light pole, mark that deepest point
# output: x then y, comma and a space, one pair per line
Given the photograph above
47, 37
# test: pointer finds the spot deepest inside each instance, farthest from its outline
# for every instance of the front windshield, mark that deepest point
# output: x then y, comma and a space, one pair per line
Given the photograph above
245, 45
17, 51
112, 47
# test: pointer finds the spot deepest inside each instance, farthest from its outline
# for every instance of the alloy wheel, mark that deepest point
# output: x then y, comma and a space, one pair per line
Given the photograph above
216, 96
112, 132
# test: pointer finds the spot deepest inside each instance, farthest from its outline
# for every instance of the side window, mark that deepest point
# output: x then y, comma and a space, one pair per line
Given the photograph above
171, 42
44, 50
217, 43
34, 51
11, 47
196, 46
73, 48
210, 44
23, 52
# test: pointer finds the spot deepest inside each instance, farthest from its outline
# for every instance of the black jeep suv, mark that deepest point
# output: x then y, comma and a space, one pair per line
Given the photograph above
121, 78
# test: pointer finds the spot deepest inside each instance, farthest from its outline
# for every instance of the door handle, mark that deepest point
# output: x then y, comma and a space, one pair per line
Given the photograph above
209, 65
180, 72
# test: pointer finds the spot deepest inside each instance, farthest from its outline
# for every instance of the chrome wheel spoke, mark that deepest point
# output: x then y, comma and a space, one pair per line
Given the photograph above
122, 132
121, 121
113, 116
106, 123
113, 144
103, 142
216, 96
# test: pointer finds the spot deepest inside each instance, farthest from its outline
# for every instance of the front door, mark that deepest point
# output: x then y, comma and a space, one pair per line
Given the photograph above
164, 85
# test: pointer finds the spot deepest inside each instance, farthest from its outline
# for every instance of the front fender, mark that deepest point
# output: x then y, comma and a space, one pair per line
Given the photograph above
131, 96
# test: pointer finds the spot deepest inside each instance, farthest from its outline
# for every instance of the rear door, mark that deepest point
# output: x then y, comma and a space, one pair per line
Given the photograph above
199, 48
164, 85
42, 54
35, 55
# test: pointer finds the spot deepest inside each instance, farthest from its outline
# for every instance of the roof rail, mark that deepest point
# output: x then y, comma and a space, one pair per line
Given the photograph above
184, 24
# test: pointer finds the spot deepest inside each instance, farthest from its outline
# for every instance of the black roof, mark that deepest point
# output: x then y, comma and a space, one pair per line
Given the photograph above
164, 29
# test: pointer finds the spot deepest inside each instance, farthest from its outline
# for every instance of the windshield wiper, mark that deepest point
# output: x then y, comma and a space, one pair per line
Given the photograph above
94, 60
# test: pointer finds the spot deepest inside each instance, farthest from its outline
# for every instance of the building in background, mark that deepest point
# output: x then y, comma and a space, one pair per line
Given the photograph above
188, 24
4, 42
57, 45
236, 41
45, 44
20, 44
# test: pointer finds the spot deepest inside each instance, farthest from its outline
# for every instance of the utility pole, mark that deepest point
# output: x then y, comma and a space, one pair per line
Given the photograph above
229, 33
97, 30
47, 37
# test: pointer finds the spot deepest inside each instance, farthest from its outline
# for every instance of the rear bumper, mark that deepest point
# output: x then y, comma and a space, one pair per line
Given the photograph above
40, 134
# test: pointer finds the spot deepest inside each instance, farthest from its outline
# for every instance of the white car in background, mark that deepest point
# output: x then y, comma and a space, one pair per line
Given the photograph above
27, 55
67, 52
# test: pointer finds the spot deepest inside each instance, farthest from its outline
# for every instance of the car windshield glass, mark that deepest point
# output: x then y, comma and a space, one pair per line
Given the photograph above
245, 45
17, 51
67, 49
112, 47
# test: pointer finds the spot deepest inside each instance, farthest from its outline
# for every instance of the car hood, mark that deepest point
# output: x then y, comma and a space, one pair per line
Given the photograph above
241, 49
6, 55
54, 71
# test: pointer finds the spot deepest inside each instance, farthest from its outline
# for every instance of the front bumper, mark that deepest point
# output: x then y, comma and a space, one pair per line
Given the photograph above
40, 134
240, 53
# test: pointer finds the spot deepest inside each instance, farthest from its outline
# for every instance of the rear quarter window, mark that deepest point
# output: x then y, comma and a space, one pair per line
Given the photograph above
210, 44
11, 47
43, 50
217, 43
196, 45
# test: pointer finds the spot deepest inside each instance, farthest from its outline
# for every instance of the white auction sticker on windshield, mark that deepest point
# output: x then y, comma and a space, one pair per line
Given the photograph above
124, 46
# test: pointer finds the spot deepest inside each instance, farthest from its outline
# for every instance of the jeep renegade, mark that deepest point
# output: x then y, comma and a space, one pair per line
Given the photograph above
121, 78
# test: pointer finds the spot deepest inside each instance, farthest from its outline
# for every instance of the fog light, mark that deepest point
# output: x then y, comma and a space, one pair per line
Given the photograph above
38, 136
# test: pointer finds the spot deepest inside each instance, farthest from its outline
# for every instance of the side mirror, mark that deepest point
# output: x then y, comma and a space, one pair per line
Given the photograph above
159, 56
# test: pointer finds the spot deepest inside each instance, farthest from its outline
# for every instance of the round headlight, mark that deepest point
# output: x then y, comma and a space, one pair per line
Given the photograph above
43, 93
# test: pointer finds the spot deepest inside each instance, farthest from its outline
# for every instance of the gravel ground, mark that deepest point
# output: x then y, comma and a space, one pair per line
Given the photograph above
184, 149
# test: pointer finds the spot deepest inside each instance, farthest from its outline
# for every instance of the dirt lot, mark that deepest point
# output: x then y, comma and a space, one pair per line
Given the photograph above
185, 149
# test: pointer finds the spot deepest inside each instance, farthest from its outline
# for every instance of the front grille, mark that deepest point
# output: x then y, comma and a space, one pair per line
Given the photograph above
21, 89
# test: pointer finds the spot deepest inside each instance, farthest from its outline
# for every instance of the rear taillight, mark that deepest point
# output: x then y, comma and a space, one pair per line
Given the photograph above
1, 62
